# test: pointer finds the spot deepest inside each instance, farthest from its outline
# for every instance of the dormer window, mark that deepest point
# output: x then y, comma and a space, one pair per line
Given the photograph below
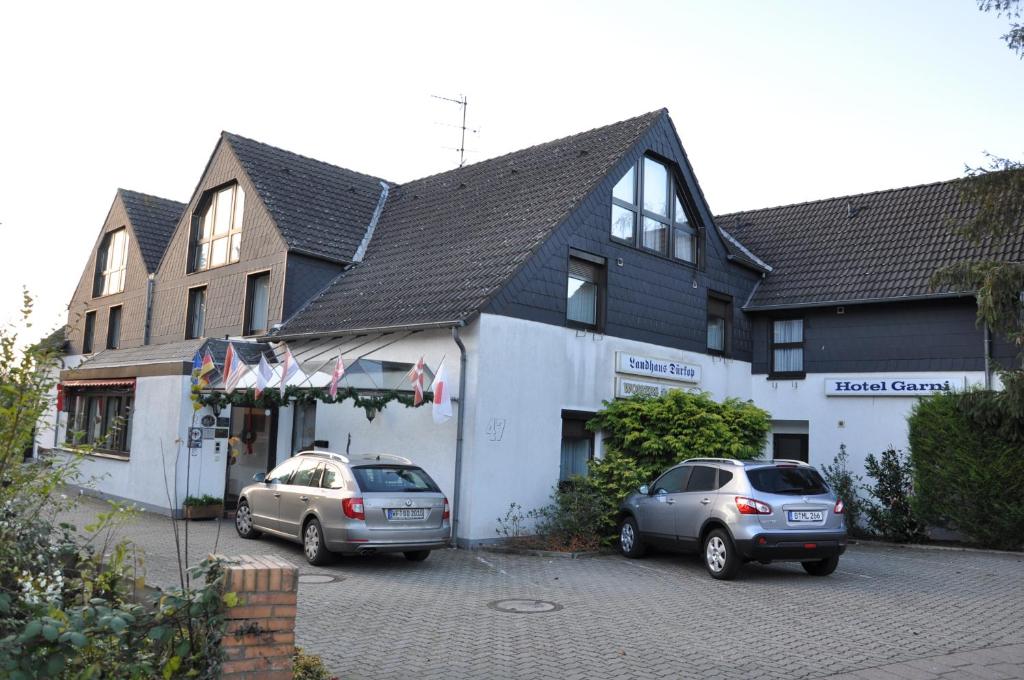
217, 229
111, 263
649, 211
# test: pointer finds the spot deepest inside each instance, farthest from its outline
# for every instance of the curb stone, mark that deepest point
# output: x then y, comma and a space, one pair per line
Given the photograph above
926, 546
541, 553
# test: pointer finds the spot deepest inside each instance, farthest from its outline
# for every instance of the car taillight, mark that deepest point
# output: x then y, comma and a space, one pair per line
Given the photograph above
353, 508
840, 508
751, 506
447, 514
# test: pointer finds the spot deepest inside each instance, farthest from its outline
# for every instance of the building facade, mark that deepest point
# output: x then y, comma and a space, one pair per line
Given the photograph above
546, 282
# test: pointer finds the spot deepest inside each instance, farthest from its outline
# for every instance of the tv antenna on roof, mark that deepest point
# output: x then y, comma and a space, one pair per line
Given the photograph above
464, 104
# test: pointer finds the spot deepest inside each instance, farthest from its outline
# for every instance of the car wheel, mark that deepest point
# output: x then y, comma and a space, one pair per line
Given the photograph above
416, 555
630, 542
821, 567
243, 521
313, 543
720, 556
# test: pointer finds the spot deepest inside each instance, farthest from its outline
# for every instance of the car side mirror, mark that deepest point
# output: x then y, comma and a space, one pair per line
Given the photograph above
260, 477
645, 490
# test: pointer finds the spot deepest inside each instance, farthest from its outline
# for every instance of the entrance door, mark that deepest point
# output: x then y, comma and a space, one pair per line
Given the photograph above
790, 446
254, 450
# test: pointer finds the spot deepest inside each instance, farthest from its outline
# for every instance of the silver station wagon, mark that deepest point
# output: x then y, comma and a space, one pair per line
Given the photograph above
355, 504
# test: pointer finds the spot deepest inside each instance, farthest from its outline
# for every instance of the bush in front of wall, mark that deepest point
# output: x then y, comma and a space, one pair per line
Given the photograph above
573, 520
889, 509
845, 484
309, 667
968, 454
644, 435
201, 501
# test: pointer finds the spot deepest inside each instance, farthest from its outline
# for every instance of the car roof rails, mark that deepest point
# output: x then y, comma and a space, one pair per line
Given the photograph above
380, 458
791, 461
730, 461
327, 454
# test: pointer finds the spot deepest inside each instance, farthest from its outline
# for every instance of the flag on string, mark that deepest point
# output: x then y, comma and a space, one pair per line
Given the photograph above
263, 375
339, 370
289, 367
442, 409
208, 366
416, 378
197, 365
234, 369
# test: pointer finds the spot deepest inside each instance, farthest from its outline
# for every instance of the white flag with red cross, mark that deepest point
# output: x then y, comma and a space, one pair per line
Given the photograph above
416, 378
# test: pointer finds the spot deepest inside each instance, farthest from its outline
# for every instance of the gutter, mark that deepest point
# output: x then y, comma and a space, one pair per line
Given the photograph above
864, 301
988, 360
149, 308
369, 329
459, 429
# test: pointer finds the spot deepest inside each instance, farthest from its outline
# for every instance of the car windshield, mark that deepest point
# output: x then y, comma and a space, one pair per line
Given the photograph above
395, 478
787, 480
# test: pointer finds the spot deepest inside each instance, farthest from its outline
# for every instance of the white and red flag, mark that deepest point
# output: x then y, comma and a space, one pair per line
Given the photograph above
442, 408
339, 370
234, 369
289, 367
263, 375
416, 378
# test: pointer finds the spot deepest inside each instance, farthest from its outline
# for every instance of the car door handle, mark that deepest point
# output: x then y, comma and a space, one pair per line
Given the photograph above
705, 501
277, 495
304, 499
670, 501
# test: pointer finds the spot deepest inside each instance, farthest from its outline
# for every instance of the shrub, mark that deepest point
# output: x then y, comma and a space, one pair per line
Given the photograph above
573, 520
644, 435
308, 667
845, 484
968, 454
890, 513
200, 501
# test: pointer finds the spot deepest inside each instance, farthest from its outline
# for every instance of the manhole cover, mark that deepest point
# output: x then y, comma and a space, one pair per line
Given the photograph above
524, 606
317, 578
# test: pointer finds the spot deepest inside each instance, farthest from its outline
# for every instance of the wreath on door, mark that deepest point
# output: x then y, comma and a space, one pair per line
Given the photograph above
249, 434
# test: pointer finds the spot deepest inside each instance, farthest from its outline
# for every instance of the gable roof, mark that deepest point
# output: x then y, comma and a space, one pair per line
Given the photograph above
446, 243
883, 245
320, 209
153, 221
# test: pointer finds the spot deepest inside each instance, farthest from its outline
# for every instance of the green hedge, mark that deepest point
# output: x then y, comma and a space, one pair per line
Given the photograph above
967, 451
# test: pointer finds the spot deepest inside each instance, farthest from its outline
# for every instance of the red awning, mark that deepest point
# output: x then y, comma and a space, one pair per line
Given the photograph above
120, 382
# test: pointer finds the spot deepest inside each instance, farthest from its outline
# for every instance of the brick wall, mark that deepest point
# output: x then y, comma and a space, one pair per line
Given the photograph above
260, 638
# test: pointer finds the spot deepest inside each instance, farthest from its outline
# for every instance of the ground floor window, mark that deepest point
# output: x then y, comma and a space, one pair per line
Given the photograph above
790, 446
577, 444
101, 419
304, 426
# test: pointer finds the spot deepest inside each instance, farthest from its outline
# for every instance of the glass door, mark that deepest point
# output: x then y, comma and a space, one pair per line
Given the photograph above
252, 448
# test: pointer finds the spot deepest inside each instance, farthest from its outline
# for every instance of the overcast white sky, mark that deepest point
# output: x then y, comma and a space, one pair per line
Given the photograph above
776, 102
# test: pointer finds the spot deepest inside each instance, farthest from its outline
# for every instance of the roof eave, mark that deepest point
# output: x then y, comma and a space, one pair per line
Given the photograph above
427, 325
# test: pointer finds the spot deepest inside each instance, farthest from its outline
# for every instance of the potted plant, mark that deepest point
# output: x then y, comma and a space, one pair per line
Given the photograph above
203, 507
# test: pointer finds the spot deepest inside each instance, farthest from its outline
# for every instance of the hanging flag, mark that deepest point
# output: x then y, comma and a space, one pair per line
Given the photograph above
416, 378
339, 370
289, 367
197, 366
263, 375
208, 367
442, 408
234, 369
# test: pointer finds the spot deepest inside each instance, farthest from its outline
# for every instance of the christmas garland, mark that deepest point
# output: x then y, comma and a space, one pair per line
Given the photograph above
306, 395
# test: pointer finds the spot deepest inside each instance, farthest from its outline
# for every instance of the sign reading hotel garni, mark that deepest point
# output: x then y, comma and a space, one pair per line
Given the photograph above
656, 368
890, 387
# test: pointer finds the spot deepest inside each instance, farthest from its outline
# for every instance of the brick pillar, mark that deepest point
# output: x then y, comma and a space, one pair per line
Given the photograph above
260, 638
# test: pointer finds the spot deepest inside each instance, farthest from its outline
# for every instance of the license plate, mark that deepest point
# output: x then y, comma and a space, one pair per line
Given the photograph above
806, 516
405, 513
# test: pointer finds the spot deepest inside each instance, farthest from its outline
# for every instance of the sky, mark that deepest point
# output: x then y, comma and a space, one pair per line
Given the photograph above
775, 102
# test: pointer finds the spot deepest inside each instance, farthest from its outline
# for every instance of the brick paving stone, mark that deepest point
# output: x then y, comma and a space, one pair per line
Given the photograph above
887, 612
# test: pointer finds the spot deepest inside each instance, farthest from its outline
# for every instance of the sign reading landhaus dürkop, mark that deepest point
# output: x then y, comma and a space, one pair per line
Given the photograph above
889, 387
657, 368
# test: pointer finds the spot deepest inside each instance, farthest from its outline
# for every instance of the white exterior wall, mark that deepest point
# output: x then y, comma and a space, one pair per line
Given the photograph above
526, 374
48, 428
157, 462
864, 424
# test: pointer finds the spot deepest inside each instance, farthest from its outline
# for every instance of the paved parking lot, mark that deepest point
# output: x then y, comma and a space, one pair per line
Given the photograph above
886, 613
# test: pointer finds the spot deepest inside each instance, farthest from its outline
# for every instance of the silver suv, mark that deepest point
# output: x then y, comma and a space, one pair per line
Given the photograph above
735, 511
362, 504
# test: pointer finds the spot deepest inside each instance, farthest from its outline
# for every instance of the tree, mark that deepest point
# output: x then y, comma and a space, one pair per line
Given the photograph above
993, 200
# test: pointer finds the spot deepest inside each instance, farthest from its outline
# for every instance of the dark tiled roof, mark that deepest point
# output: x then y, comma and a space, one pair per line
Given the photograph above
446, 243
319, 208
153, 221
883, 245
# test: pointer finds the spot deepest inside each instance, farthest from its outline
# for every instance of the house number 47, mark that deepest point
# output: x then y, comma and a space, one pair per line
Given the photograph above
495, 429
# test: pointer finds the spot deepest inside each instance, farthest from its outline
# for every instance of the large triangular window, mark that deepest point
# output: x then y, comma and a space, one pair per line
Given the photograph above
217, 229
650, 211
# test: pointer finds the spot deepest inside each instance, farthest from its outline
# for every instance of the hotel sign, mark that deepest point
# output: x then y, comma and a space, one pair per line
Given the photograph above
889, 387
664, 369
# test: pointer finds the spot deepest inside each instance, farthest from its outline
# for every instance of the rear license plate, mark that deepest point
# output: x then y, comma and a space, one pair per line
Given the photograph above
806, 516
405, 513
